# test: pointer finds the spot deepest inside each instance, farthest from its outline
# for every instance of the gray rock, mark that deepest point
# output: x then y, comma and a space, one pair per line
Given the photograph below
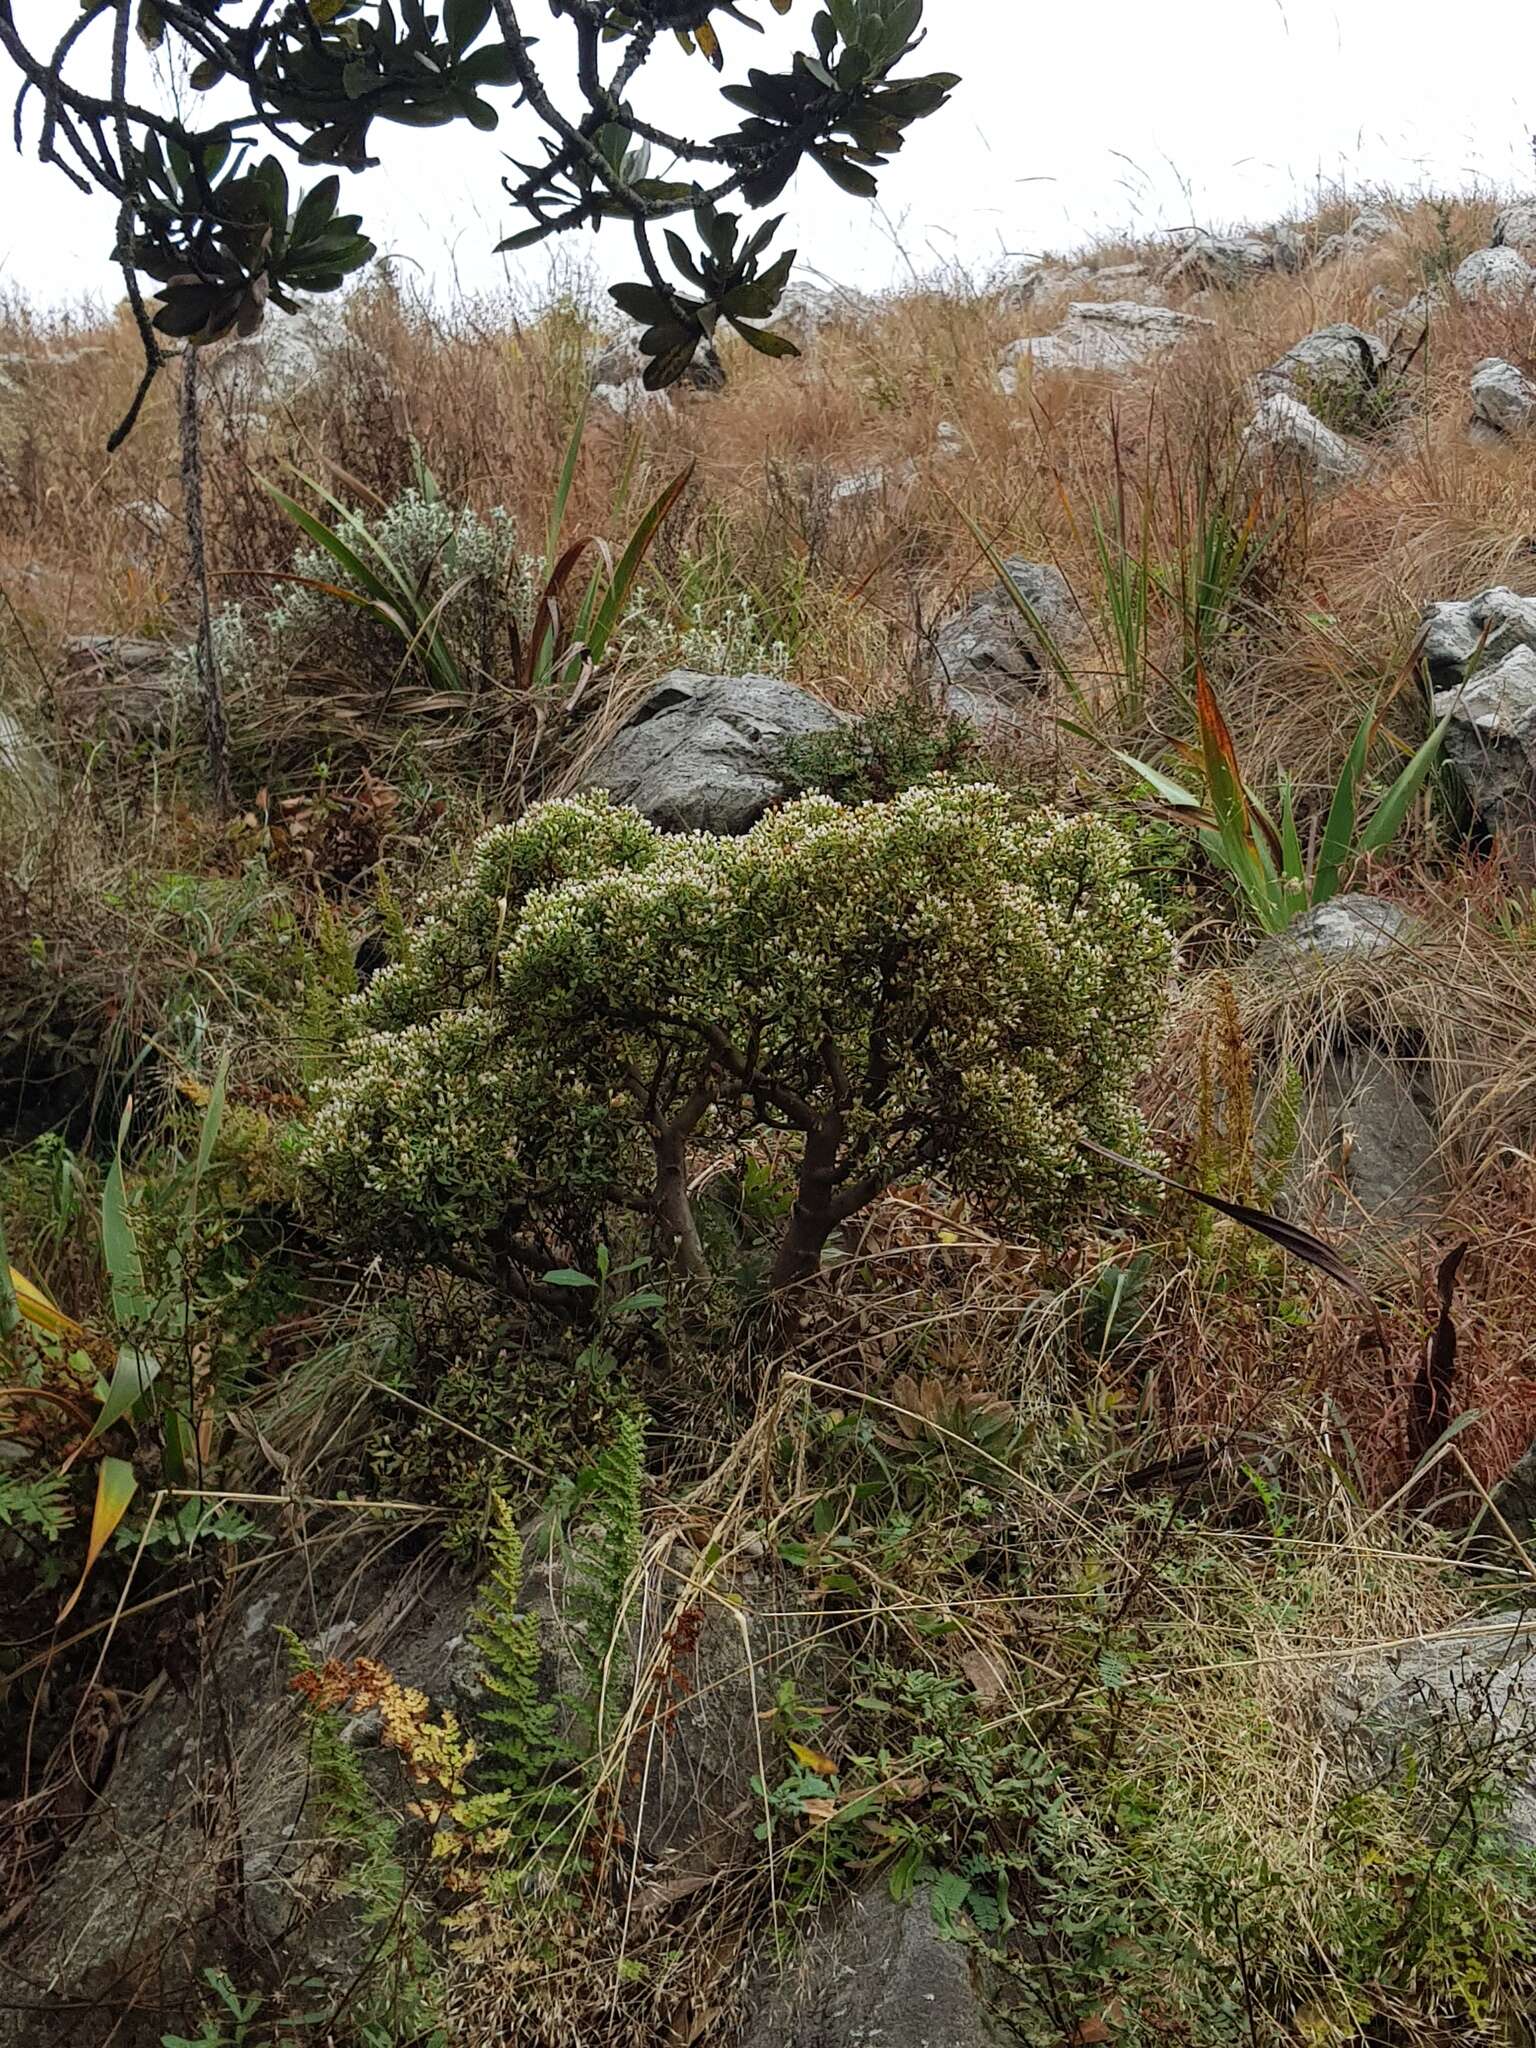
1119, 335
686, 1789
1491, 743
1421, 308
878, 1976
1369, 1124
1501, 397
1455, 627
620, 365
1494, 277
1515, 228
1288, 437
142, 1899
1339, 363
288, 355
1468, 1695
862, 486
989, 652
703, 753
1348, 927
1365, 233
1221, 260
115, 686
28, 783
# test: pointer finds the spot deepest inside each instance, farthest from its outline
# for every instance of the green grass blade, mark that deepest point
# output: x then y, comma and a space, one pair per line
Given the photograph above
616, 600
1338, 841
120, 1243
1390, 813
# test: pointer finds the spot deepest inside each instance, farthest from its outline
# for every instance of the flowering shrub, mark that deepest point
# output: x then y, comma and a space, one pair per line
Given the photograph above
937, 984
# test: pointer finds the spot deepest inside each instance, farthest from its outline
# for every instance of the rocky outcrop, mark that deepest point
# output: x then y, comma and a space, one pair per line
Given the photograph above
1341, 364
1118, 336
988, 662
1288, 438
1496, 620
1503, 401
111, 685
1491, 743
1515, 228
1365, 233
1220, 261
1369, 1129
1500, 277
28, 784
1467, 1694
704, 753
878, 1975
617, 373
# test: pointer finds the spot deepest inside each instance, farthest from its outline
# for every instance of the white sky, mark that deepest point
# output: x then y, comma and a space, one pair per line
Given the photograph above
1070, 120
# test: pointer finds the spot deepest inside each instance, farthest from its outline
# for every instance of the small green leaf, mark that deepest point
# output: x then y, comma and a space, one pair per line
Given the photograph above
133, 1375
567, 1276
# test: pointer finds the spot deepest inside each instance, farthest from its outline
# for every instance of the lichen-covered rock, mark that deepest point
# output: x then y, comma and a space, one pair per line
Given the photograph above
205, 1846
1466, 1693
1339, 363
1119, 335
988, 653
1494, 277
1365, 233
1515, 228
1221, 260
1288, 437
28, 783
118, 687
1454, 629
704, 753
879, 1975
1348, 927
1368, 1143
1491, 743
1502, 398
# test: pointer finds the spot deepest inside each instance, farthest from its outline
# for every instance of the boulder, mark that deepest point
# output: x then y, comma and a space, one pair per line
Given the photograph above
1220, 261
618, 369
28, 784
112, 685
1502, 398
1454, 628
1349, 927
1118, 335
1288, 437
1369, 1121
1500, 277
863, 486
288, 355
878, 1975
1421, 308
1515, 228
1466, 1695
203, 1847
704, 753
1491, 743
988, 656
1339, 363
687, 1794
1365, 232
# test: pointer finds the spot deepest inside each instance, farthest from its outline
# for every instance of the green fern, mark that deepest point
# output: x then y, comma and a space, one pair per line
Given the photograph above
605, 1560
351, 1816
520, 1746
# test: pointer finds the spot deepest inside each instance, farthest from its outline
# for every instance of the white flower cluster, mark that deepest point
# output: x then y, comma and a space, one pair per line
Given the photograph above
727, 640
969, 987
